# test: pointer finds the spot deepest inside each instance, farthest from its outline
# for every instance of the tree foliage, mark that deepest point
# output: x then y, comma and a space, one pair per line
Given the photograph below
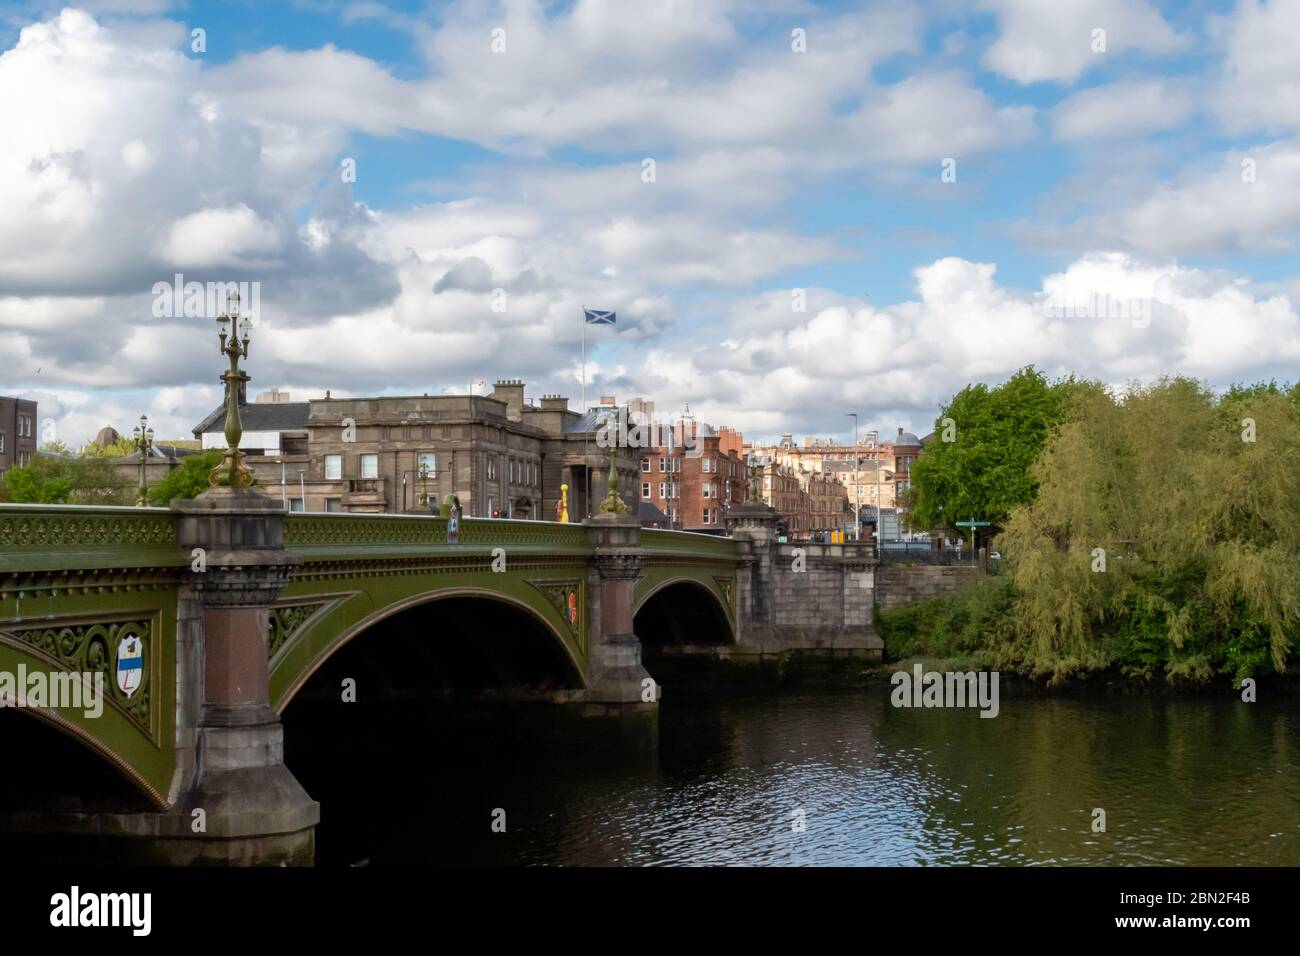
985, 471
122, 447
51, 479
188, 481
1192, 507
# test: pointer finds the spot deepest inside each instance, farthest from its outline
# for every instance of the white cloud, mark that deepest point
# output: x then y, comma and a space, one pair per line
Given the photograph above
780, 371
1055, 41
1248, 202
1129, 109
1259, 87
235, 236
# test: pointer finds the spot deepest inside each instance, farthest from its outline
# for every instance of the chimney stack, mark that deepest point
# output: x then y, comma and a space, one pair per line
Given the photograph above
510, 391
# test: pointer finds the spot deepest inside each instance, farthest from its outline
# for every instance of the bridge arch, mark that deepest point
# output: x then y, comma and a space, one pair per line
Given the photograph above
567, 667
681, 610
76, 771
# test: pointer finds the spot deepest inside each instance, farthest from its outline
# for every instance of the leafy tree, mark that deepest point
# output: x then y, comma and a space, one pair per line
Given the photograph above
985, 471
50, 479
56, 447
1163, 538
118, 449
188, 481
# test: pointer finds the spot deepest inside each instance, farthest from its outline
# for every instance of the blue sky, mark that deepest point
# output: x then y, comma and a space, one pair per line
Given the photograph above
1100, 150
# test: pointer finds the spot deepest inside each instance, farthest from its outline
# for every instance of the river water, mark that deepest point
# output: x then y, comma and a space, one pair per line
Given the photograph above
846, 779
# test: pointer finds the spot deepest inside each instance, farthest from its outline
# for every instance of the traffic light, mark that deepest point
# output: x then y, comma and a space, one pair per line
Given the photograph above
496, 512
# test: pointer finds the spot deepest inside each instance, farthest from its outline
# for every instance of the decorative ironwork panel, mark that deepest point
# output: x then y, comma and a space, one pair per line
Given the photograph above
92, 649
346, 529
567, 599
284, 621
726, 586
59, 527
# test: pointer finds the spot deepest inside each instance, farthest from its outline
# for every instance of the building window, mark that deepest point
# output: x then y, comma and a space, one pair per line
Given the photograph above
427, 464
491, 506
369, 466
708, 516
704, 490
663, 489
295, 504
2, 443
492, 467
645, 465
662, 469
704, 464
333, 504
645, 489
333, 467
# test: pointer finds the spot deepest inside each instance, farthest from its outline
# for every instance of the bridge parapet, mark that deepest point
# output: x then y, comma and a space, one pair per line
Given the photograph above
322, 536
660, 542
87, 537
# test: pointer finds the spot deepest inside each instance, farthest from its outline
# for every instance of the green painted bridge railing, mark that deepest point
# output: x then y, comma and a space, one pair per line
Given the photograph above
658, 542
63, 537
320, 537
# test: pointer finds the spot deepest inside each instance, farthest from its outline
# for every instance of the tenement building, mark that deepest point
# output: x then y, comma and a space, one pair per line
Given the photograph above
17, 433
690, 471
873, 473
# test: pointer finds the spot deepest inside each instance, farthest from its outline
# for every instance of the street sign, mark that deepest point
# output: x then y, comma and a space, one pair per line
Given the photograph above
973, 524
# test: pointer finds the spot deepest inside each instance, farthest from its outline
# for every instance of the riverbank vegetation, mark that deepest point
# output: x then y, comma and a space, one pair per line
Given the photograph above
1161, 540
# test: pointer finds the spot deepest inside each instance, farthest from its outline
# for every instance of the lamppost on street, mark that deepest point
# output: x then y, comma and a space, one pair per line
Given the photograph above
232, 472
143, 443
857, 519
424, 484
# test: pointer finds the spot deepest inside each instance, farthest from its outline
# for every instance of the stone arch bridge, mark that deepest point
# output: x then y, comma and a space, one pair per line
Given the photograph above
202, 622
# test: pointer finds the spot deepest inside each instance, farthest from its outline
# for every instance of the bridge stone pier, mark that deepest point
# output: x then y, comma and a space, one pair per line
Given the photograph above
619, 686
806, 597
252, 807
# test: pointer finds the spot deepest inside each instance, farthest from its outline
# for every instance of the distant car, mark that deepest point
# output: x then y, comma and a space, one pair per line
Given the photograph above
995, 555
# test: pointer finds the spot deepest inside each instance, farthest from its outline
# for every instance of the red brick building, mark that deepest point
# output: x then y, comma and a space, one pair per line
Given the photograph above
693, 473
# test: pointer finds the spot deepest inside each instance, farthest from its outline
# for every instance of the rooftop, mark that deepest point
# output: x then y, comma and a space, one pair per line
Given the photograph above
259, 417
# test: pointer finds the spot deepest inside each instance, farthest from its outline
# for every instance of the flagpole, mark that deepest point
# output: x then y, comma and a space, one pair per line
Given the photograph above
584, 358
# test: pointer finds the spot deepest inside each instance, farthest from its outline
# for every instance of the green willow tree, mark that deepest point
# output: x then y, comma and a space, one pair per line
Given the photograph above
997, 433
1163, 539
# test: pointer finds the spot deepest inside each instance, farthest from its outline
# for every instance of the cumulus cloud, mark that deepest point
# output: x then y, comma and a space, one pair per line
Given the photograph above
1248, 201
1107, 315
1259, 85
1055, 41
1122, 110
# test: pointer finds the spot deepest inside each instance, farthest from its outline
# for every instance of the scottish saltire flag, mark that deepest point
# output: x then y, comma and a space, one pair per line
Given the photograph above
599, 317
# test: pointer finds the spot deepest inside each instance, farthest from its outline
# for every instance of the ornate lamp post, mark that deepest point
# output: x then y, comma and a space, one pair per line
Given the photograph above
424, 484
143, 443
232, 472
613, 504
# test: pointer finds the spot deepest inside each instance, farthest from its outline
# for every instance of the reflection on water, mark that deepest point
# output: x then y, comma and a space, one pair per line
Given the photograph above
1182, 781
